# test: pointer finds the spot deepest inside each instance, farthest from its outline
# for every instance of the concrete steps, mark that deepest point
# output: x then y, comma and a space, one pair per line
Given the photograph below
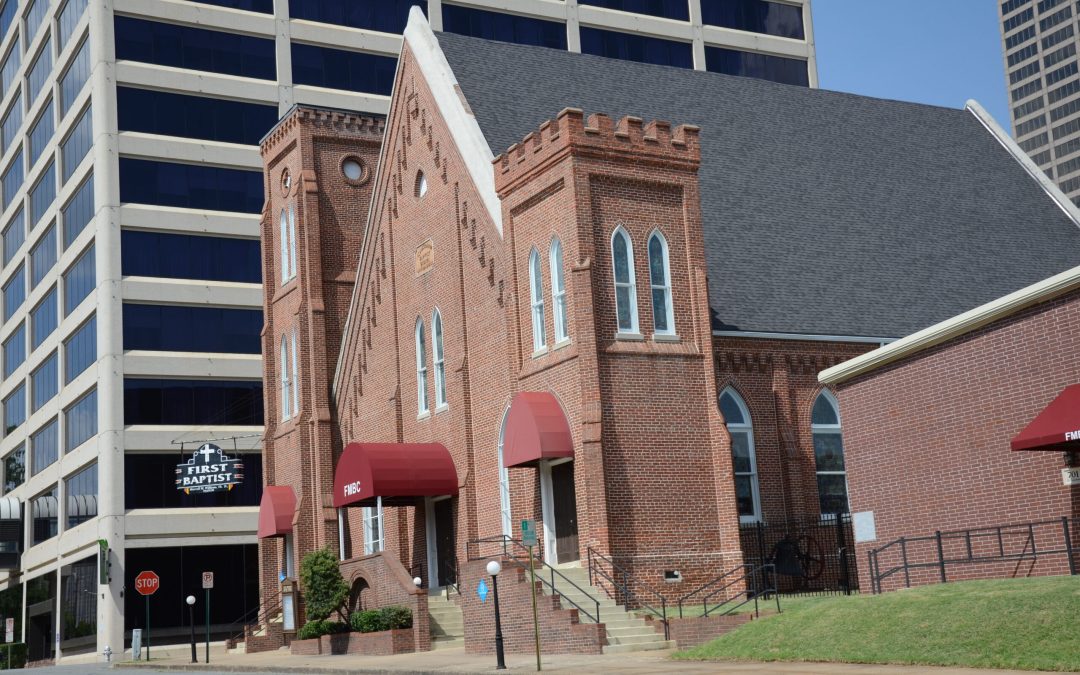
626, 632
447, 643
447, 625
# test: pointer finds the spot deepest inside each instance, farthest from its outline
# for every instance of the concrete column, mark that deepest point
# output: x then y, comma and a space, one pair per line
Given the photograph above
434, 14
573, 27
699, 39
283, 53
110, 367
811, 49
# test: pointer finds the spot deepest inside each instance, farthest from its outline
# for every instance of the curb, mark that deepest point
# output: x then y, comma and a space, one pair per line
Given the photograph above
314, 670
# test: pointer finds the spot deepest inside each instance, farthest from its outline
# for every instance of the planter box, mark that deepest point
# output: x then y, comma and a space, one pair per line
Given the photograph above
311, 647
397, 641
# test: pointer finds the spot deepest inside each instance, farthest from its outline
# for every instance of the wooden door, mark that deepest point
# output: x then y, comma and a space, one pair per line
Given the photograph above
564, 505
445, 542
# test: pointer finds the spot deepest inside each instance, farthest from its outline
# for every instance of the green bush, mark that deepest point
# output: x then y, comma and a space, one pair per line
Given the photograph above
397, 616
311, 630
324, 588
368, 621
375, 620
18, 655
316, 629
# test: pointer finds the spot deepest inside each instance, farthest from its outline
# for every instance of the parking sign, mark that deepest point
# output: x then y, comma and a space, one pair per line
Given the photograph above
528, 532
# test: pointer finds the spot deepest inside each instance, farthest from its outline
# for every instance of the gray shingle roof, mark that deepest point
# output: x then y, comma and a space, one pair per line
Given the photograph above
824, 213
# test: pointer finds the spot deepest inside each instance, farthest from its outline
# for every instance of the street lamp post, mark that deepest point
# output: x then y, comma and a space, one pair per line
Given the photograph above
493, 568
191, 622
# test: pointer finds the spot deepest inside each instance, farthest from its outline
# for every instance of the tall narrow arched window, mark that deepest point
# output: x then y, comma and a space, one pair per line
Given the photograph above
660, 283
558, 292
622, 260
504, 483
437, 352
829, 455
421, 369
295, 373
743, 459
286, 383
292, 241
284, 236
536, 299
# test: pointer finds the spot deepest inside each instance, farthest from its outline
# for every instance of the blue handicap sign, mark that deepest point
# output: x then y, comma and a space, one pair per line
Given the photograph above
482, 590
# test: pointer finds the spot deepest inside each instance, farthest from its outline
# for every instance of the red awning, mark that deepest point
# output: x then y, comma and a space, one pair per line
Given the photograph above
276, 511
536, 429
397, 472
1057, 427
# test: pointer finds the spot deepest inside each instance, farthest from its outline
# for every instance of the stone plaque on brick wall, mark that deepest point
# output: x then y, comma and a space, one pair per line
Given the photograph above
1071, 476
425, 257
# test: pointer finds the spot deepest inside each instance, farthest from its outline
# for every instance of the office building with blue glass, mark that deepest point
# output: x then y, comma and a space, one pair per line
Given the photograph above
130, 285
1039, 42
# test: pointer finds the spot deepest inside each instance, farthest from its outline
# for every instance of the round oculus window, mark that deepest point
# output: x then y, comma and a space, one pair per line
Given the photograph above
353, 169
286, 181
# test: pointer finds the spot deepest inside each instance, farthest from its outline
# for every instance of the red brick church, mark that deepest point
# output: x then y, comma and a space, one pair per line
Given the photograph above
491, 306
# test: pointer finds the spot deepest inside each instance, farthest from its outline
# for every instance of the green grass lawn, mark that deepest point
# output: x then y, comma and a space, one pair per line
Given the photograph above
1031, 624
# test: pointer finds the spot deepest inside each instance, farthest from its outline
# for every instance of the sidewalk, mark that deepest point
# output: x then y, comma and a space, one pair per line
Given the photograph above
457, 661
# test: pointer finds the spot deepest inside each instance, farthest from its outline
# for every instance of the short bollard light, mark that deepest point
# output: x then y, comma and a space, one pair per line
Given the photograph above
191, 622
493, 568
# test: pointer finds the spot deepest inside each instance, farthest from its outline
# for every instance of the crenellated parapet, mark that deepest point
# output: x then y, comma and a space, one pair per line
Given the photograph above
339, 121
629, 139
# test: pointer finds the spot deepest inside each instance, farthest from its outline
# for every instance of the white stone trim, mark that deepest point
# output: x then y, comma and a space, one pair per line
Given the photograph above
1033, 170
960, 324
463, 126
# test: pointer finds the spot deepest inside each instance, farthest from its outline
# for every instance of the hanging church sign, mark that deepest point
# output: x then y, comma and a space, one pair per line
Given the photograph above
209, 470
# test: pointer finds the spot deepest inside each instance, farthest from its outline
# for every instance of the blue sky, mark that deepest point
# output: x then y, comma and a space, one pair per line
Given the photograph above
941, 52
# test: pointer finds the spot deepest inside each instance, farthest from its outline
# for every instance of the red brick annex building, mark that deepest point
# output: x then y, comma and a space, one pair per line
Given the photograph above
491, 306
982, 411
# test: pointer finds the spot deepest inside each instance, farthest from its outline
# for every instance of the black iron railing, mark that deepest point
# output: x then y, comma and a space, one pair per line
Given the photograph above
255, 617
996, 543
813, 555
508, 547
619, 584
449, 569
738, 586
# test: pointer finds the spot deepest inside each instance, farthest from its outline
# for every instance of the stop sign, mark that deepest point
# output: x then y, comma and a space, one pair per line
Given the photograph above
147, 583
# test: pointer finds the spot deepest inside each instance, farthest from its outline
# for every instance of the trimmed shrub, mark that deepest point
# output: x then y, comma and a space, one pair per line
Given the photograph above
325, 590
316, 629
368, 621
397, 616
375, 620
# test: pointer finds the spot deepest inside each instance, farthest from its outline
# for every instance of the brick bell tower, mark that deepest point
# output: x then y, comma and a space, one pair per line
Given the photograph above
637, 376
318, 167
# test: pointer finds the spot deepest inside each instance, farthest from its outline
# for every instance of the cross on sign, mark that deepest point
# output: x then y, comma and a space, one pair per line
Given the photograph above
205, 451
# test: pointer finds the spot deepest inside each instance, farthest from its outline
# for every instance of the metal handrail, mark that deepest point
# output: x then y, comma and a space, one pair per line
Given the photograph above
416, 571
750, 594
507, 552
451, 566
970, 535
707, 584
261, 615
624, 588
